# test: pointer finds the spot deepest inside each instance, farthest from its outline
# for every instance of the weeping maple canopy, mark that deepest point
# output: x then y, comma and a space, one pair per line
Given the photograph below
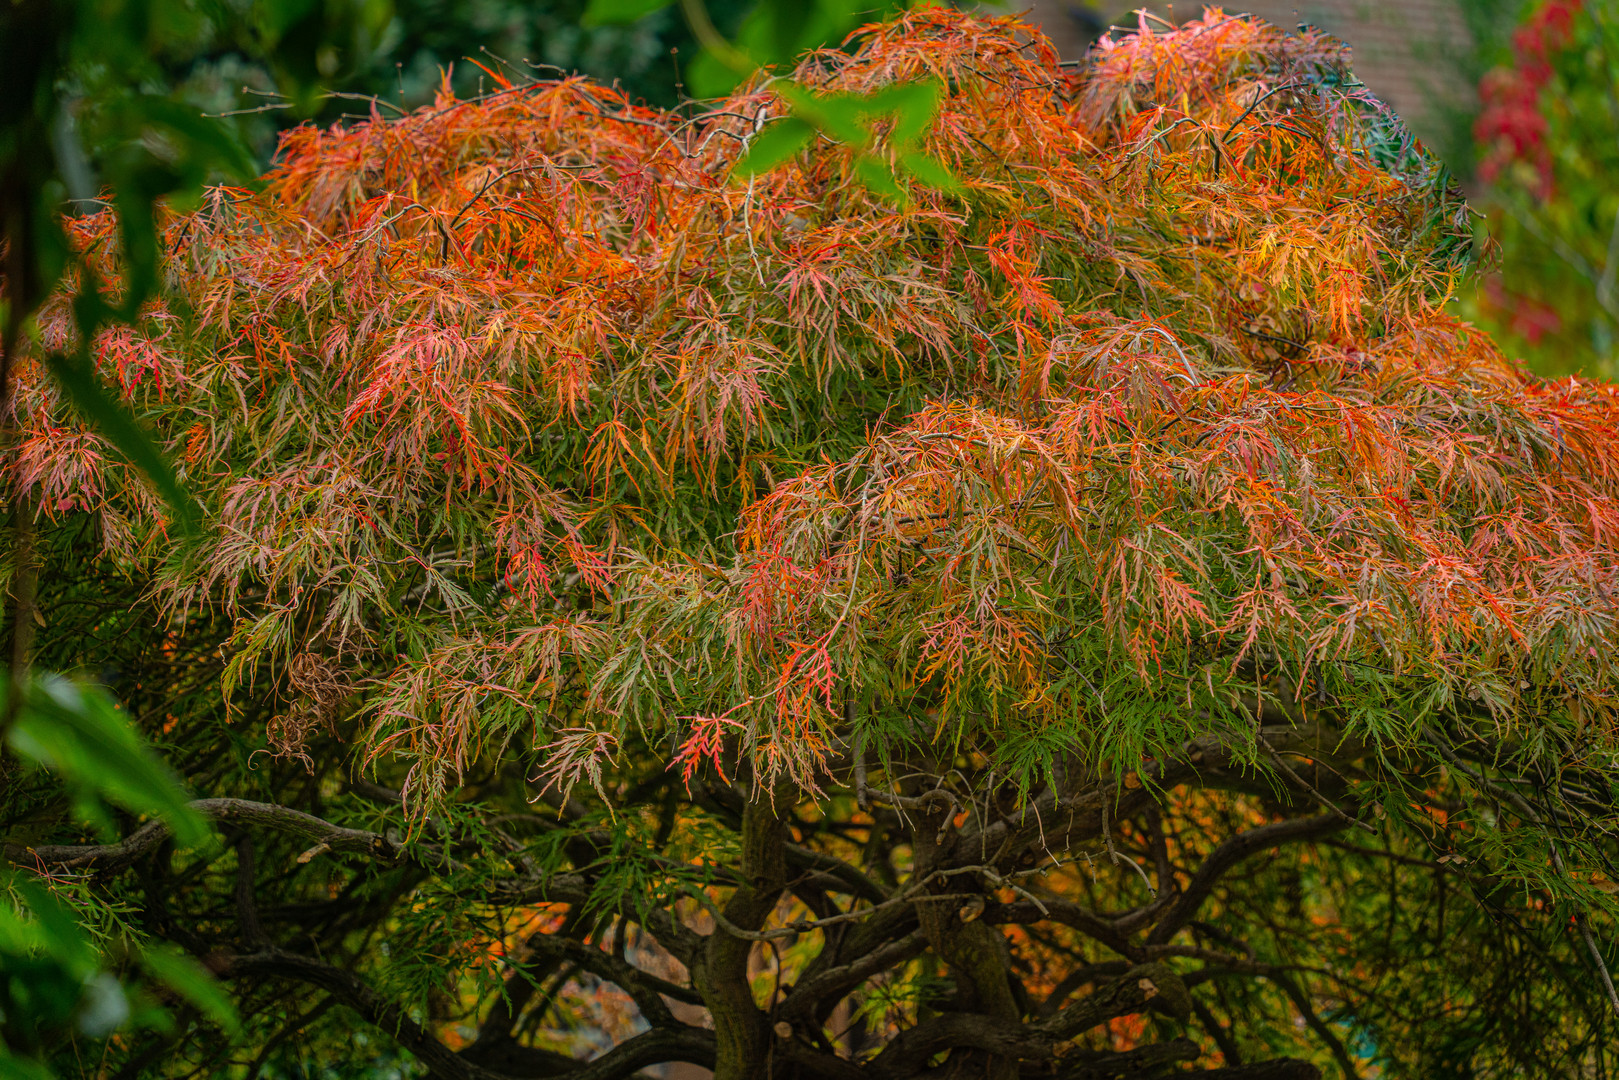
858, 635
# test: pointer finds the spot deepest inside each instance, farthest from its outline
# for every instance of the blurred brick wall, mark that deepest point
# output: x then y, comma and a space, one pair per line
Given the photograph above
1400, 46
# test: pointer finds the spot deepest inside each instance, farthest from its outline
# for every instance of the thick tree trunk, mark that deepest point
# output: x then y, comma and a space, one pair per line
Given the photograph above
973, 951
741, 1031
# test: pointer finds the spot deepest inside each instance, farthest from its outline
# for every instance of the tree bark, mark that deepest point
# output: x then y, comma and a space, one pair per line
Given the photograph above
973, 951
742, 1032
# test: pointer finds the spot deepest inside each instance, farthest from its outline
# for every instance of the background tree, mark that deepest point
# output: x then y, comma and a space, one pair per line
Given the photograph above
417, 45
1102, 618
1546, 136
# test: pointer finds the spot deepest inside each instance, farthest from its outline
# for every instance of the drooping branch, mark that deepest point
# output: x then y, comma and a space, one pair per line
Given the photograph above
817, 991
1277, 1069
1099, 928
442, 1062
517, 990
643, 987
1184, 907
1301, 1001
1056, 821
1154, 984
520, 1063
911, 1049
323, 835
1149, 985
1147, 1060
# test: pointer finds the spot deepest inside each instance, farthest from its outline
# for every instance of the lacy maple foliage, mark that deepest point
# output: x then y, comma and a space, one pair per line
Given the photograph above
1135, 503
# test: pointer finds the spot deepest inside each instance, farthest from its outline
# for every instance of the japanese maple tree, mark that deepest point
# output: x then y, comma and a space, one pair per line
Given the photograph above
1094, 618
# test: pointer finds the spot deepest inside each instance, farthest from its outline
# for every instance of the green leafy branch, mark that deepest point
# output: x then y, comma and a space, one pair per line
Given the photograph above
776, 33
53, 976
853, 119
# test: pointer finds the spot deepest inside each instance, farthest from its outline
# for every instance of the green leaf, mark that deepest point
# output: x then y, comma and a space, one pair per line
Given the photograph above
878, 177
50, 928
19, 1068
77, 731
181, 972
844, 118
133, 197
912, 105
620, 12
209, 141
839, 115
929, 171
780, 33
777, 33
775, 144
275, 20
709, 76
